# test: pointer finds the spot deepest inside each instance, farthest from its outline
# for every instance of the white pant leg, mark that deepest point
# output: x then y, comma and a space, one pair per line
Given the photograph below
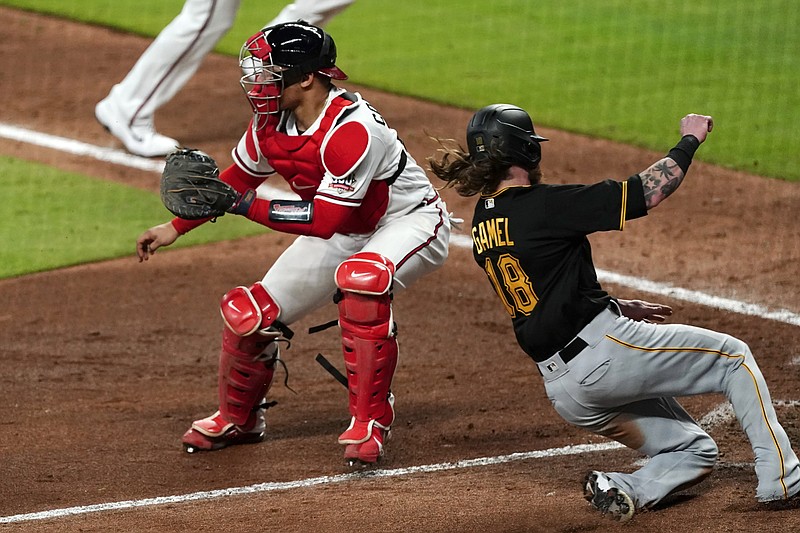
416, 243
302, 279
318, 13
681, 453
173, 57
682, 360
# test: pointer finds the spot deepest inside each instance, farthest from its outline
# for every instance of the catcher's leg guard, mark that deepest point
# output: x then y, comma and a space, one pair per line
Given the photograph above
370, 352
246, 368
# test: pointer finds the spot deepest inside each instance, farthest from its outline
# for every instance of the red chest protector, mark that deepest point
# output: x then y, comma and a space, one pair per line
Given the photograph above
297, 158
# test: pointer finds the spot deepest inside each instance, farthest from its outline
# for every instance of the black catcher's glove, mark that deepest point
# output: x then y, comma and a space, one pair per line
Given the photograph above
191, 188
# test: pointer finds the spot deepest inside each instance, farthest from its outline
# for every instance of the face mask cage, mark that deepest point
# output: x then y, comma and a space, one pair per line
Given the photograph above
262, 81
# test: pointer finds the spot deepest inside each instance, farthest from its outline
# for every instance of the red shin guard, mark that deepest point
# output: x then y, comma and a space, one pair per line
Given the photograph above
246, 369
370, 350
370, 368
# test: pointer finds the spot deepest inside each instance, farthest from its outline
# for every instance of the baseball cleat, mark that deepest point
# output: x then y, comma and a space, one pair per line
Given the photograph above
213, 433
608, 500
367, 453
782, 504
140, 137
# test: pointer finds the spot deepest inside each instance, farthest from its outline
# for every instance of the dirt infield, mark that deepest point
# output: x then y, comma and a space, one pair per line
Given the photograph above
105, 365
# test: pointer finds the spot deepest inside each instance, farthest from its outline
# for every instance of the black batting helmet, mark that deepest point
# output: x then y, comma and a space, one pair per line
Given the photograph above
504, 132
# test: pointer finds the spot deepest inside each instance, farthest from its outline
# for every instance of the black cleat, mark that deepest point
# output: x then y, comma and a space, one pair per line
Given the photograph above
612, 501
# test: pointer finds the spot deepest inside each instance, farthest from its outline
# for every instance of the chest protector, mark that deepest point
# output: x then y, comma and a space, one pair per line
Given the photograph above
297, 157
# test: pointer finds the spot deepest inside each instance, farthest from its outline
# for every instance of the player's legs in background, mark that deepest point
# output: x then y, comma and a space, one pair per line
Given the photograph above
161, 71
316, 12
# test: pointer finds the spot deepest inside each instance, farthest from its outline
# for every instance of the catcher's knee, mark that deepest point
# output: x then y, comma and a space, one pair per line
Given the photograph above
365, 295
250, 310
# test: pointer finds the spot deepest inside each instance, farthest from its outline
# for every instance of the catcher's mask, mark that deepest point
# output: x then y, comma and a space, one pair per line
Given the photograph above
281, 55
504, 133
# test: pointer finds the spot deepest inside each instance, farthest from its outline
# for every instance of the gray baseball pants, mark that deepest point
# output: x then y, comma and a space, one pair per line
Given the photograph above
623, 384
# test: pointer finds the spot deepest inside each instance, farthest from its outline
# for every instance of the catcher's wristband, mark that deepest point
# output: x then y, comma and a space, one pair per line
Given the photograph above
243, 203
684, 151
298, 211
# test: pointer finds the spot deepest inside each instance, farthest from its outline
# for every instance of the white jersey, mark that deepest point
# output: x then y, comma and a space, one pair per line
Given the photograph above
338, 158
349, 157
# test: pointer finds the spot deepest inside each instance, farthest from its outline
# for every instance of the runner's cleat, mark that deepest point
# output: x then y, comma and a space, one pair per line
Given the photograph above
140, 137
609, 500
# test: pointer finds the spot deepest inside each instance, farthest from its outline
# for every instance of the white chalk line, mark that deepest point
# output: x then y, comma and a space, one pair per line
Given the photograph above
120, 157
108, 155
310, 482
719, 414
678, 293
74, 147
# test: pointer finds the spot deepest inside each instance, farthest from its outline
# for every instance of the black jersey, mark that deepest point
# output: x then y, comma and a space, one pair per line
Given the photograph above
531, 241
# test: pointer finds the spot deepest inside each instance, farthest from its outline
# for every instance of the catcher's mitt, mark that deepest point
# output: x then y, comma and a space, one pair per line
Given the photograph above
191, 188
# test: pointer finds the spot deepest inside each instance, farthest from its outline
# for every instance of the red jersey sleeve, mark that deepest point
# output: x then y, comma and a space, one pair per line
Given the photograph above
324, 223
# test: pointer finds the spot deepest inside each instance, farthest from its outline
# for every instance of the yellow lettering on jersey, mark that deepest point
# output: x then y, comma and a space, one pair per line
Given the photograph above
502, 232
491, 234
475, 240
482, 235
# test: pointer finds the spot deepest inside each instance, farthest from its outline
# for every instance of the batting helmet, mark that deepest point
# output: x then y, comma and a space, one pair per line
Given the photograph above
504, 132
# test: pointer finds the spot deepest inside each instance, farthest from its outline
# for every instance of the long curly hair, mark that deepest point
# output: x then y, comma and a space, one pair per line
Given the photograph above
468, 177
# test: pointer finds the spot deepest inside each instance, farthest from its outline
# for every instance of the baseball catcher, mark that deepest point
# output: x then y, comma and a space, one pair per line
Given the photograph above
368, 224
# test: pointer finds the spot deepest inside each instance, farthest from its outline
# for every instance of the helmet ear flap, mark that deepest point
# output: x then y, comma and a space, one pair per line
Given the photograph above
533, 151
504, 133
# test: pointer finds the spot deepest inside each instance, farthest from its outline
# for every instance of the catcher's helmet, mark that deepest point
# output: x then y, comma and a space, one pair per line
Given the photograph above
302, 48
279, 56
504, 132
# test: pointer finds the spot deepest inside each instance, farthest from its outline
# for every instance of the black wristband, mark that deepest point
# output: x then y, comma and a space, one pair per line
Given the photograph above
684, 151
243, 203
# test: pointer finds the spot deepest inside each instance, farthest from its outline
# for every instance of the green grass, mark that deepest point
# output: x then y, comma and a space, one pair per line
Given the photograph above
625, 70
54, 219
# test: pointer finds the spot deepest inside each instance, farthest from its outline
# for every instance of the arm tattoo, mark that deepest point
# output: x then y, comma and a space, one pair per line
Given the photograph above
660, 180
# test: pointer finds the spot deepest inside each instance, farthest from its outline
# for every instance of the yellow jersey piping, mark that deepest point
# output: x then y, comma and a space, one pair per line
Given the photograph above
624, 207
752, 376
